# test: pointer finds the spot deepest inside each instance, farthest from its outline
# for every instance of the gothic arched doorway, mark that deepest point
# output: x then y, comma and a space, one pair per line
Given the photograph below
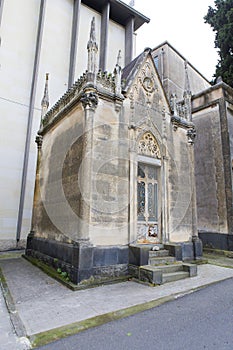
148, 189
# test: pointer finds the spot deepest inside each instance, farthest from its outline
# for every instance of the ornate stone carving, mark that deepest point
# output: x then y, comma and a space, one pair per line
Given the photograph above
107, 81
117, 74
148, 84
148, 146
92, 49
39, 141
181, 109
90, 100
191, 134
173, 104
45, 99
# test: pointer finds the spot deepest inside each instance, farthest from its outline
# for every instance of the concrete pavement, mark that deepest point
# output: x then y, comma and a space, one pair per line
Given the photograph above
42, 310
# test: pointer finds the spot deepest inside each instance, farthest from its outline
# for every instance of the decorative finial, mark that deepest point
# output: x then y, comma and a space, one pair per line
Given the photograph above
187, 94
92, 48
117, 74
187, 83
92, 32
219, 79
119, 59
173, 103
45, 99
132, 3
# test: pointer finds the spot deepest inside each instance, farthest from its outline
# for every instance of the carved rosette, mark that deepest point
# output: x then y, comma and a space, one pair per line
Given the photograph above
148, 84
148, 146
89, 100
191, 134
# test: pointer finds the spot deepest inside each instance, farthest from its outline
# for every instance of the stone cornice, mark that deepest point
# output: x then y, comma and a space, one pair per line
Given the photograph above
179, 122
105, 89
220, 91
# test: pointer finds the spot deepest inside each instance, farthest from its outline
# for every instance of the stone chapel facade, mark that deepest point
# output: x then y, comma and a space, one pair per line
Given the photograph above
115, 173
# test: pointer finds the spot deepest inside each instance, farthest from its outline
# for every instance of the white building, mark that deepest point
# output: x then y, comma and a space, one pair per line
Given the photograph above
39, 37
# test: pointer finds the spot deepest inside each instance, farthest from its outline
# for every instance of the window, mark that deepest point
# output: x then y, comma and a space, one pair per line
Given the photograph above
156, 61
147, 206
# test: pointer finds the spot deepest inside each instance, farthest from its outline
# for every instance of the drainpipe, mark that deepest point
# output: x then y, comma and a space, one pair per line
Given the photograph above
30, 117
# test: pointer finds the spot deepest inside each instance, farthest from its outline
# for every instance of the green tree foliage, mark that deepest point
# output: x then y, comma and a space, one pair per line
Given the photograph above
220, 18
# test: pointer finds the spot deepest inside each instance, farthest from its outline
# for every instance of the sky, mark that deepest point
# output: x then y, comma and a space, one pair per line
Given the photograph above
180, 23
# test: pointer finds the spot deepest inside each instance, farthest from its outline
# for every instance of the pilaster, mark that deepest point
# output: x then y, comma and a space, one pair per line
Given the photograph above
36, 198
197, 244
129, 30
89, 101
74, 41
104, 37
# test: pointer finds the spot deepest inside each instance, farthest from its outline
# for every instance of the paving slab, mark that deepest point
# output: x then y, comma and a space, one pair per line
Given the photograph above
43, 304
8, 338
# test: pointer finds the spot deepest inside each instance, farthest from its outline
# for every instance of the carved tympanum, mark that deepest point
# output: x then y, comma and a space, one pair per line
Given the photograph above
148, 146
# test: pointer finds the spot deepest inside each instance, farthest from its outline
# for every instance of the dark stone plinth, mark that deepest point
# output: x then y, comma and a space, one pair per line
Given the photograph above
191, 269
186, 250
174, 250
81, 261
216, 240
139, 254
197, 248
134, 271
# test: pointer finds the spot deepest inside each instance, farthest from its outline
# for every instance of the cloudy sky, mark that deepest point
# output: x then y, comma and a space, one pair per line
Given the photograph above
181, 23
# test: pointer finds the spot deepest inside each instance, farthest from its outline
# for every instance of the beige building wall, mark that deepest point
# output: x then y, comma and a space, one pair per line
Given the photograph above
172, 72
19, 21
55, 50
213, 159
18, 33
86, 15
116, 42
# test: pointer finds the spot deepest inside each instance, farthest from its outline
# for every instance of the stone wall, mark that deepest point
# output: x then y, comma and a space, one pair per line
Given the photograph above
172, 72
213, 161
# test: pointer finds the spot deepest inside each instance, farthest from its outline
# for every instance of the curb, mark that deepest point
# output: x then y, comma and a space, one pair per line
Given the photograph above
13, 313
44, 338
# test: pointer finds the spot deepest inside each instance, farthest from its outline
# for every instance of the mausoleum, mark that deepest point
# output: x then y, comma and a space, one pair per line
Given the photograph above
115, 172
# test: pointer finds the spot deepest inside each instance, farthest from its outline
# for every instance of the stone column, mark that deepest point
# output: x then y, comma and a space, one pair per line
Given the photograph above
89, 101
197, 244
132, 185
164, 177
36, 198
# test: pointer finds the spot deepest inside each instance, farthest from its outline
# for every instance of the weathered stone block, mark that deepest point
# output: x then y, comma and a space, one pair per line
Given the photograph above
191, 269
174, 250
149, 275
138, 255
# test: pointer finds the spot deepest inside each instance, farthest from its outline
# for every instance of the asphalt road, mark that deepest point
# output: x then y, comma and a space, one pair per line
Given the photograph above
200, 320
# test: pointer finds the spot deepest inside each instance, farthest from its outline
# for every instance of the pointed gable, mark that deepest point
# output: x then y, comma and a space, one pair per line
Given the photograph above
140, 79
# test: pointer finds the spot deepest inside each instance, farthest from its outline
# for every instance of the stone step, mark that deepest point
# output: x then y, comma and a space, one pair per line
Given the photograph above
174, 276
161, 260
177, 266
158, 253
166, 273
